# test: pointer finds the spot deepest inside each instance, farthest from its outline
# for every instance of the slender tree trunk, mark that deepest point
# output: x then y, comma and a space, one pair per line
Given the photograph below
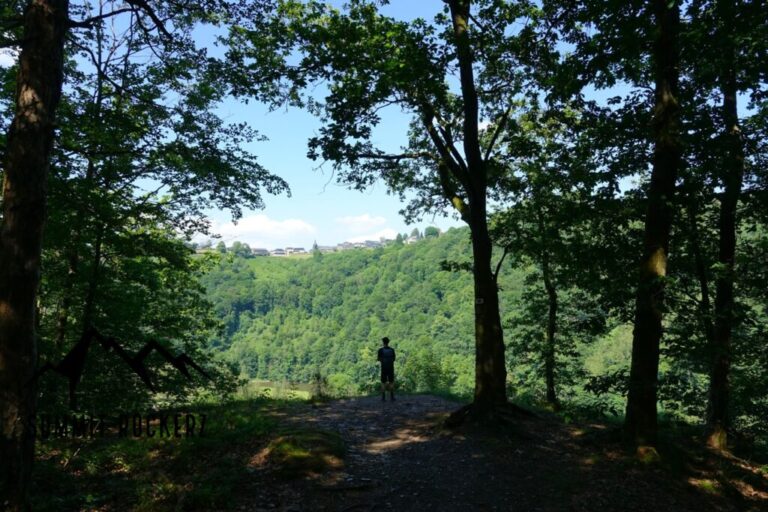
62, 319
73, 257
490, 365
724, 299
550, 349
28, 149
705, 306
90, 297
93, 282
641, 422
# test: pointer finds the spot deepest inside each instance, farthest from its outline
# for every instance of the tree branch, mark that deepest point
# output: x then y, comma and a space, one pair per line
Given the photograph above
461, 174
498, 265
476, 22
95, 62
398, 157
88, 22
450, 193
448, 137
142, 5
497, 132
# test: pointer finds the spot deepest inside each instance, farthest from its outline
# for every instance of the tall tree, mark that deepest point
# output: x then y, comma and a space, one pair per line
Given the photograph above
641, 417
490, 365
25, 172
370, 62
727, 33
733, 173
46, 25
554, 177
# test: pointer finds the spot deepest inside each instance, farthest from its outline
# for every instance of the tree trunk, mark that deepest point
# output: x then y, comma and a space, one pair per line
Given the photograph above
549, 349
490, 365
705, 306
73, 257
641, 423
93, 282
717, 420
28, 150
66, 300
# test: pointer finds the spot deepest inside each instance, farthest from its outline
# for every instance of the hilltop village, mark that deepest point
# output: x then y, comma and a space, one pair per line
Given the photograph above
244, 250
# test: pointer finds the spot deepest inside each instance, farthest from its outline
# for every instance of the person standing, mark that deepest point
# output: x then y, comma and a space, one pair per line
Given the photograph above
386, 356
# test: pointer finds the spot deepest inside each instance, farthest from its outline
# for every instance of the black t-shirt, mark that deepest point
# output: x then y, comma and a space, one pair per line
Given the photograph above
387, 357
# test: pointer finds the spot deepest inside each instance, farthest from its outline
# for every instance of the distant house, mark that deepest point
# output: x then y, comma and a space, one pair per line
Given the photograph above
411, 240
294, 250
345, 246
277, 252
326, 248
371, 244
260, 252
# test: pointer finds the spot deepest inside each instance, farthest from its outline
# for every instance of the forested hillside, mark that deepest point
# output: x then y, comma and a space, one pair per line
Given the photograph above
292, 318
322, 318
296, 318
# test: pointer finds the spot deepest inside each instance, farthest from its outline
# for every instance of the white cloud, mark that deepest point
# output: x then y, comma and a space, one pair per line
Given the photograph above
361, 223
261, 231
7, 58
387, 233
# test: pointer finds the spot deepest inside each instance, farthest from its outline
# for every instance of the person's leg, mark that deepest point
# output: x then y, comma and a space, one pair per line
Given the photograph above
392, 389
387, 376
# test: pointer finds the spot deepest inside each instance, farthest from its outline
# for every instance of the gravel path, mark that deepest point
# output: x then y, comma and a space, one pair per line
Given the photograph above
398, 458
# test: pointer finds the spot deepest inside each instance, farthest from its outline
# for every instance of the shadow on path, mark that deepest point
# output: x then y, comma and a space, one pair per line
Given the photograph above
399, 458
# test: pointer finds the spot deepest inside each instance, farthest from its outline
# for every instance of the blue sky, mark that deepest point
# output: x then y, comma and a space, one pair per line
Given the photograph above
318, 208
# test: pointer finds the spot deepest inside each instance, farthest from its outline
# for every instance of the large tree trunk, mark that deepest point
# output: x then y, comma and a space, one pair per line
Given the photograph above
29, 144
717, 419
490, 366
549, 348
641, 423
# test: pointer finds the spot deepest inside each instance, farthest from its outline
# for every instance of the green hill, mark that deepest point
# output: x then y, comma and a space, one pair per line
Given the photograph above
292, 319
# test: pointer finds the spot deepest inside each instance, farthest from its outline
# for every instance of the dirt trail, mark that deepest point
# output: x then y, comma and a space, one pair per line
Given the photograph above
398, 458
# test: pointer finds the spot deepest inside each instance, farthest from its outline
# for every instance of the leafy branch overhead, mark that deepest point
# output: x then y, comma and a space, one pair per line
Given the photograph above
365, 64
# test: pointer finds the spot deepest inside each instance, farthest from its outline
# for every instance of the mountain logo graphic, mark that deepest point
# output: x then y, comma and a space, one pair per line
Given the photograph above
73, 363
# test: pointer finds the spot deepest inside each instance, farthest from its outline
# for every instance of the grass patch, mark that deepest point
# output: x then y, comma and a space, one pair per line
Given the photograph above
708, 486
268, 390
156, 474
296, 453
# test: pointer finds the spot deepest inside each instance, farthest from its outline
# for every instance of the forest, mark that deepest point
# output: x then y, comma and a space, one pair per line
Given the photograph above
608, 160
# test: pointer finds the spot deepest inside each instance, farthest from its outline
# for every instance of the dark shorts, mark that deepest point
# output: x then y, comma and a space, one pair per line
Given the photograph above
387, 374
